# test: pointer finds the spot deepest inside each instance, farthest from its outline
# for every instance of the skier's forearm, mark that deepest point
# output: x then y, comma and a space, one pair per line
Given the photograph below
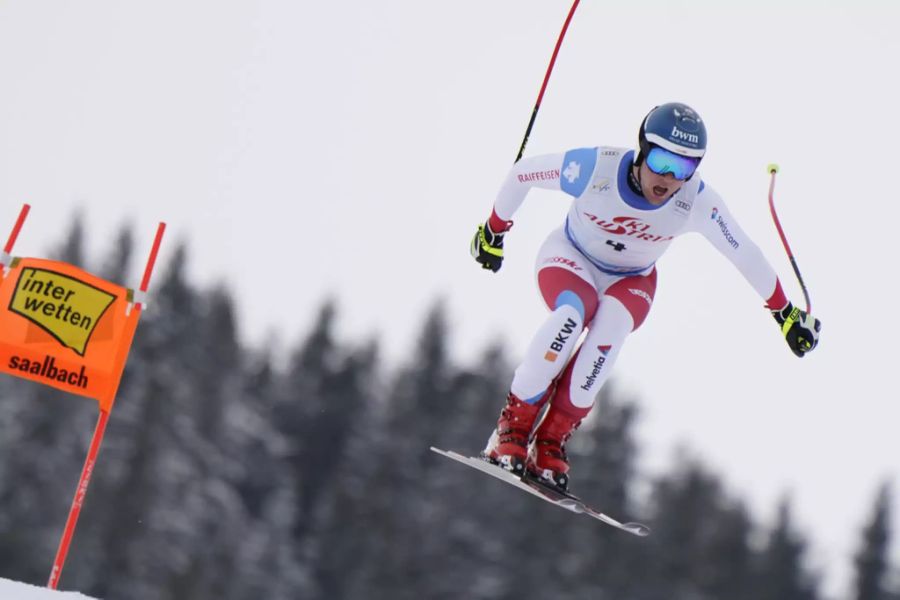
535, 171
777, 300
498, 224
718, 225
749, 260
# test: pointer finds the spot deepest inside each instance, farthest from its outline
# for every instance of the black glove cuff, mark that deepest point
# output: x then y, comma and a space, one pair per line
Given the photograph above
492, 238
782, 315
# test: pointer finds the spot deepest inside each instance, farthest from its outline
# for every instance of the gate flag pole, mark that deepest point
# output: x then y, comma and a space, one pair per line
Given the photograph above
99, 431
6, 257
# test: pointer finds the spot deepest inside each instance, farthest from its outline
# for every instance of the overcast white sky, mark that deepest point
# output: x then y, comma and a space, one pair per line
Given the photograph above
350, 148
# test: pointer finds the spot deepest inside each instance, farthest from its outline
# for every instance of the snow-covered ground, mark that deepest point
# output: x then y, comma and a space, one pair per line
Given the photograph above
13, 590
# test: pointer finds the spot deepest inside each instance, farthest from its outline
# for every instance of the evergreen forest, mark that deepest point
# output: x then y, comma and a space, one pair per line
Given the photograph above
228, 473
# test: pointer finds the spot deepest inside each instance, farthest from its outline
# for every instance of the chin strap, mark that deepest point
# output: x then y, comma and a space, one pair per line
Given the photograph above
635, 181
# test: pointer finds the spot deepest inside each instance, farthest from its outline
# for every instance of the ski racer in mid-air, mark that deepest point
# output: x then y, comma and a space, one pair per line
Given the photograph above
597, 273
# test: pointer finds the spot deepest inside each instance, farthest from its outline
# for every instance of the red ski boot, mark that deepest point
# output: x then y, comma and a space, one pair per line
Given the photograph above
547, 458
508, 445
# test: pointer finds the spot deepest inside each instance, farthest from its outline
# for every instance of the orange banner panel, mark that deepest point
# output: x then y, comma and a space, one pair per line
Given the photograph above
64, 327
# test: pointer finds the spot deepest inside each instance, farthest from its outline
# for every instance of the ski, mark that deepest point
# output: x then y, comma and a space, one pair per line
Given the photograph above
543, 491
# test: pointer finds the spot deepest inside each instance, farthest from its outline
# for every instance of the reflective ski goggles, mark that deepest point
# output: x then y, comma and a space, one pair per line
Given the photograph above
662, 162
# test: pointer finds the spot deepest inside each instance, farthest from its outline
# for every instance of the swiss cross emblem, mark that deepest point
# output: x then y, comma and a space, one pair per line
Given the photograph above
572, 171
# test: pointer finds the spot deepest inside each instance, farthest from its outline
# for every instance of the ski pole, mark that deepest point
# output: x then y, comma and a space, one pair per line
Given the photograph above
773, 169
537, 104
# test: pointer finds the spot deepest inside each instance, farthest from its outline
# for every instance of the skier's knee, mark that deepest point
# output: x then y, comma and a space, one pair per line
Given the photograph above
561, 287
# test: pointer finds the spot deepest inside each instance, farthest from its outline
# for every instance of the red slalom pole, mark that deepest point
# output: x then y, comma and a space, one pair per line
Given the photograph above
537, 104
145, 280
773, 169
94, 449
78, 501
8, 248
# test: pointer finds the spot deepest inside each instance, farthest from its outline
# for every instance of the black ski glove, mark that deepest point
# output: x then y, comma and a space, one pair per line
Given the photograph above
487, 247
800, 329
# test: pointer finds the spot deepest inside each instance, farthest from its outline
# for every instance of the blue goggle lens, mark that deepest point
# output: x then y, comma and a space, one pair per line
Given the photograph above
662, 162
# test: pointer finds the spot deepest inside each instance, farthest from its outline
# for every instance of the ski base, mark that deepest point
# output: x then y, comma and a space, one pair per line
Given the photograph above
543, 491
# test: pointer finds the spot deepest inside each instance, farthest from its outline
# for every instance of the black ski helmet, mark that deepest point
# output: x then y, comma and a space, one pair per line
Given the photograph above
674, 126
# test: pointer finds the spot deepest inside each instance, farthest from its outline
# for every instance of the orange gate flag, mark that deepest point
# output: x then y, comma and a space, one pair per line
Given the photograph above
66, 328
